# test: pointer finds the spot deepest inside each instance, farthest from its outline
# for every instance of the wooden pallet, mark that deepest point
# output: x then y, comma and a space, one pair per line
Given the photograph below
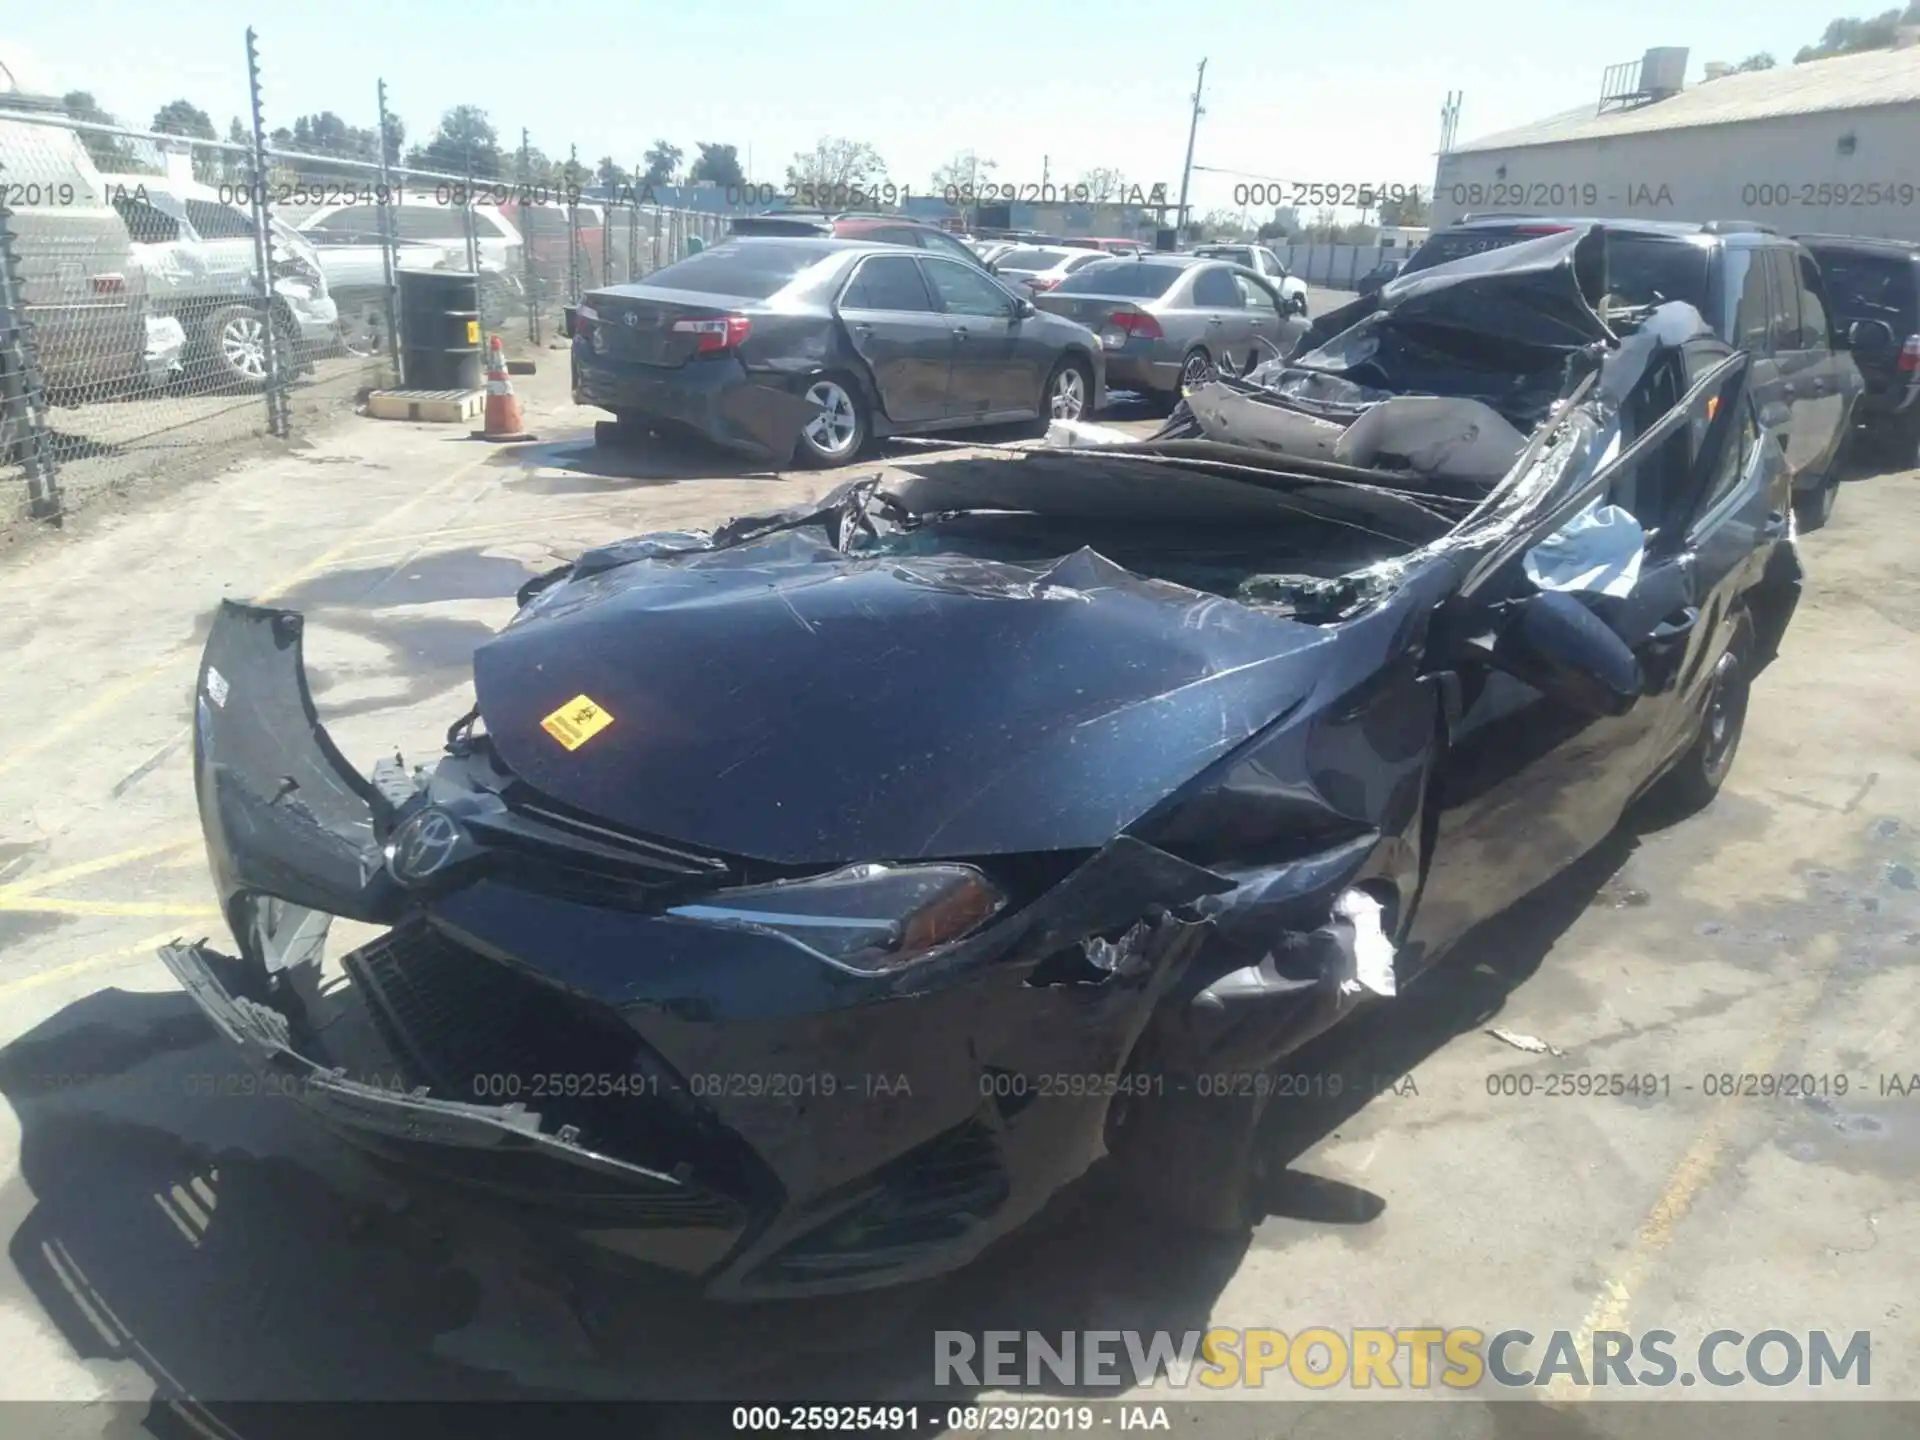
443, 407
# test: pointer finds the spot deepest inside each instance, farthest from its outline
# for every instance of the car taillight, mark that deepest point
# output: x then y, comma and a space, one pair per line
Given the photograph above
583, 319
1910, 355
109, 284
721, 333
1044, 282
1138, 324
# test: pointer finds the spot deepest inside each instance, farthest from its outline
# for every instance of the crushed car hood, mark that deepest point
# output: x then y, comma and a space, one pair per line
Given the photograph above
783, 701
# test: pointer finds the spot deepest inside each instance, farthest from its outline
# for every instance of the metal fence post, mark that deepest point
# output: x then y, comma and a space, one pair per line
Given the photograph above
573, 226
279, 420
23, 399
389, 235
527, 202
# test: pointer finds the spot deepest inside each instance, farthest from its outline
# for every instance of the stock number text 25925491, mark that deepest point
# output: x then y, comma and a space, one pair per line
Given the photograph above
1322, 192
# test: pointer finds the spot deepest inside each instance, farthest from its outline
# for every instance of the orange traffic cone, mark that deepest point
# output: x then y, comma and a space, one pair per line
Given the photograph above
503, 408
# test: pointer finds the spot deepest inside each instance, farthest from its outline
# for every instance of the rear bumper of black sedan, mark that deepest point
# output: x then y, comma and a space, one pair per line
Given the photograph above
718, 398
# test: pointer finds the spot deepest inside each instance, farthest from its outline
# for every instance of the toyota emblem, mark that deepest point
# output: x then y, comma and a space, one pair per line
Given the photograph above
424, 846
632, 317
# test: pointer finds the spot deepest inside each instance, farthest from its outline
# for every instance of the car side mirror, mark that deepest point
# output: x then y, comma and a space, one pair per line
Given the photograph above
1562, 649
1871, 337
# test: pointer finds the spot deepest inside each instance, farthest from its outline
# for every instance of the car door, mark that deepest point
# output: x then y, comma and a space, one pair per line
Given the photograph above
896, 328
992, 372
1229, 324
1830, 382
1799, 368
937, 242
226, 238
1268, 323
1720, 532
1747, 323
1529, 784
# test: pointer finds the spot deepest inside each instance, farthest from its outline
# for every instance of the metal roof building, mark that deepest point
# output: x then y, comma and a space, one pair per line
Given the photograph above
1827, 146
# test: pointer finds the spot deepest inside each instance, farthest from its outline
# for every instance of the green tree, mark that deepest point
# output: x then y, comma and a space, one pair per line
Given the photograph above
717, 165
611, 174
836, 166
1102, 183
663, 164
1760, 60
109, 152
465, 137
963, 175
1411, 210
181, 117
1853, 36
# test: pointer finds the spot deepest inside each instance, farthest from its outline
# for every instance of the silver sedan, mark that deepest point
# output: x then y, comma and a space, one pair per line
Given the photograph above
1168, 323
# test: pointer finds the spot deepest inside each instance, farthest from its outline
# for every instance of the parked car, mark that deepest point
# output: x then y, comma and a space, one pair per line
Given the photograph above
879, 229
1170, 322
1113, 245
82, 290
561, 237
1040, 268
1378, 276
1875, 288
1116, 763
772, 345
430, 232
1762, 292
197, 251
1264, 263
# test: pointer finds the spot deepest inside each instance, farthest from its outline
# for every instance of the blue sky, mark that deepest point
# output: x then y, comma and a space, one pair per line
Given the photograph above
1311, 92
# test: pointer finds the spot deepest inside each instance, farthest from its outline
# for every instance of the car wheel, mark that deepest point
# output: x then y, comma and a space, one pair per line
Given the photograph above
1195, 370
236, 335
1697, 775
1813, 508
839, 431
1069, 391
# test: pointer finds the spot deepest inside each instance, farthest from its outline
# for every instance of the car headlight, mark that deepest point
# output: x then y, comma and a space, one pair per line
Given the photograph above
869, 917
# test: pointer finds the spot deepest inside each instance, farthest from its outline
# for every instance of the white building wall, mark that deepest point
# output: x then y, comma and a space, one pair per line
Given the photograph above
1841, 172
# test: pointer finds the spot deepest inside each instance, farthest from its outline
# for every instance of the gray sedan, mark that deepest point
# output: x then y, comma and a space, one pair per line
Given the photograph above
1168, 323
775, 346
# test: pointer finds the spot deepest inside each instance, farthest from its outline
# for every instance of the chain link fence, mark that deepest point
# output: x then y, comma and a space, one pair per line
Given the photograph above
167, 301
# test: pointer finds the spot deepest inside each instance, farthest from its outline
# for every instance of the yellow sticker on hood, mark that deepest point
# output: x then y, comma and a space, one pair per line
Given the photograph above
576, 722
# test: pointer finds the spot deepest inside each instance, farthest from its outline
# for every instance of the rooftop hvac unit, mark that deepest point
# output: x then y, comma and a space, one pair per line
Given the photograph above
1663, 71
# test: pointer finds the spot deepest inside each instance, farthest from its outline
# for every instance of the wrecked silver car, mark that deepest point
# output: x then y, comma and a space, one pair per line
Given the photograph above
803, 903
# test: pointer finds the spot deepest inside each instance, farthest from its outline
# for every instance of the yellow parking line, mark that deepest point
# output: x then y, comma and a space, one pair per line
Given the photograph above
80, 967
54, 905
1688, 1179
77, 721
47, 879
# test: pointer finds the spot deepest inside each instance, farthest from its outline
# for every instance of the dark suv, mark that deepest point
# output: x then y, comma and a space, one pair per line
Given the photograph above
1761, 291
880, 229
1875, 285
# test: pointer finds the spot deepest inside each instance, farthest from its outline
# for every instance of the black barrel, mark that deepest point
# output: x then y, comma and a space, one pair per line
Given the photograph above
440, 329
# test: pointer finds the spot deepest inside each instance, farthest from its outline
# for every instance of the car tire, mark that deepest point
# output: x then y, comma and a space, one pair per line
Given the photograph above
839, 433
1195, 363
236, 337
1696, 777
1072, 374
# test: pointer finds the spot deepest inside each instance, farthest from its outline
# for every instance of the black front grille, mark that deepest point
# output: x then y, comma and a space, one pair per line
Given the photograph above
477, 1031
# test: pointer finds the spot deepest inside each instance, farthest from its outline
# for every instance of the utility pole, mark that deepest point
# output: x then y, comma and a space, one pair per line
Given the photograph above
1193, 127
1043, 177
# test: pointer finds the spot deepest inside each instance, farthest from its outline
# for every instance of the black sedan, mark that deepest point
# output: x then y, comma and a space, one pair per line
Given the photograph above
804, 902
788, 347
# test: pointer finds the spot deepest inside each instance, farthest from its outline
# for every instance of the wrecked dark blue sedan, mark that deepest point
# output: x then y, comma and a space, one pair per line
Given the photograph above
804, 902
